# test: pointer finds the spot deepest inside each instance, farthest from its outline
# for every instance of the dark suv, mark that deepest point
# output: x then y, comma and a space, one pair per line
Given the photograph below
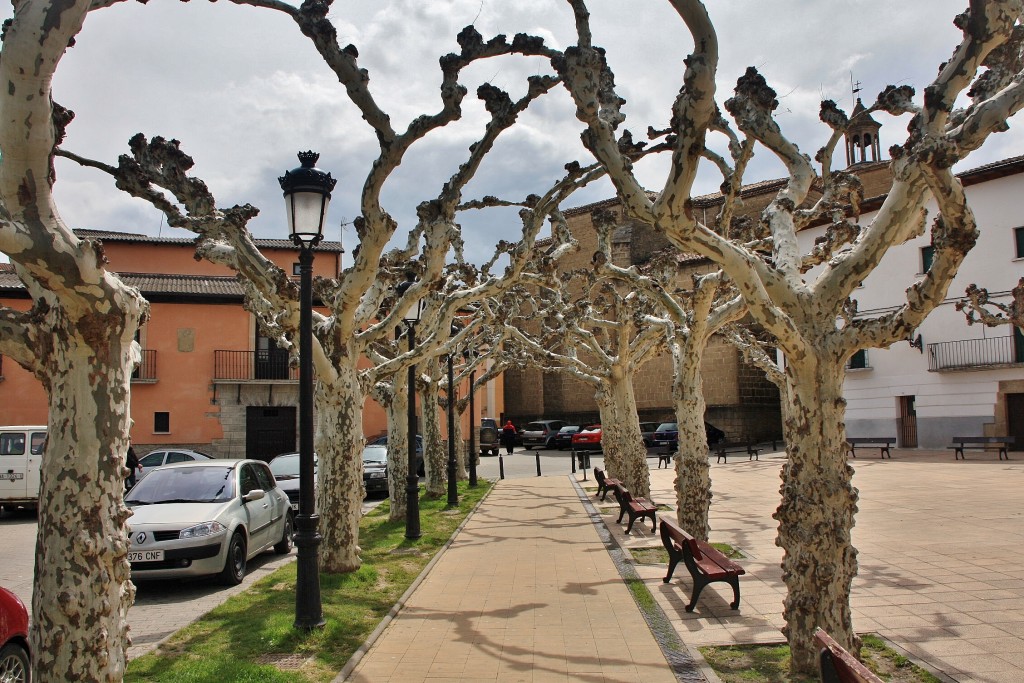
541, 433
490, 435
667, 434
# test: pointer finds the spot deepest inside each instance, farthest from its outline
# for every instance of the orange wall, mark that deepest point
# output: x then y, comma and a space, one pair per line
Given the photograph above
150, 257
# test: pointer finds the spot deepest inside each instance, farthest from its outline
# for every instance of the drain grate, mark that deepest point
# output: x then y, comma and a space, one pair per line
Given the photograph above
285, 661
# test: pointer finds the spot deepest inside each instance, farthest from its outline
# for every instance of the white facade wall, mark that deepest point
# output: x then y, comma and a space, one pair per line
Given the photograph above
948, 402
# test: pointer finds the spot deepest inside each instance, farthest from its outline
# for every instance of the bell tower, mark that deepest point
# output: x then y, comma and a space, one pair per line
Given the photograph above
862, 144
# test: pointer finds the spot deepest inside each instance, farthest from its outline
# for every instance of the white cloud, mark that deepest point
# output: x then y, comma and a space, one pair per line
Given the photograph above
244, 91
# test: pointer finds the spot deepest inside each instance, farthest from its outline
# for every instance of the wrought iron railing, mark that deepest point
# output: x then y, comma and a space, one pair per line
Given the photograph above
146, 371
248, 366
975, 353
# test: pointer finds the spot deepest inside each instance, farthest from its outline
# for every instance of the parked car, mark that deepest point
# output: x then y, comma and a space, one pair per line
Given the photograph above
21, 454
382, 440
206, 517
667, 435
490, 436
167, 456
587, 439
563, 439
647, 430
375, 469
14, 657
285, 468
541, 433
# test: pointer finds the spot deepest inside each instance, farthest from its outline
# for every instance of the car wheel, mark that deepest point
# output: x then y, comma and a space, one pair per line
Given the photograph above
14, 664
529, 448
284, 546
234, 565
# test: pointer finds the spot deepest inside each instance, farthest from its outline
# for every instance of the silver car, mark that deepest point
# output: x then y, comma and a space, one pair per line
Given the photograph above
206, 517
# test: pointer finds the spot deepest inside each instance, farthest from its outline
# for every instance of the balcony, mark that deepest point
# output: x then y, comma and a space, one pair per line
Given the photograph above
253, 366
146, 371
976, 354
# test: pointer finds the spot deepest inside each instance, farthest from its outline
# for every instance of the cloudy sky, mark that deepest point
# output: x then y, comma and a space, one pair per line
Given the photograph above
244, 91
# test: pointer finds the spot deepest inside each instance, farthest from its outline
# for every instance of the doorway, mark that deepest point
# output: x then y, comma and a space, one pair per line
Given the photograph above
1015, 420
269, 431
907, 424
271, 360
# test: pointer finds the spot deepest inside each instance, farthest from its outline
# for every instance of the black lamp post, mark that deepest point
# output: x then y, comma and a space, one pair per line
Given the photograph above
453, 489
412, 489
472, 422
307, 192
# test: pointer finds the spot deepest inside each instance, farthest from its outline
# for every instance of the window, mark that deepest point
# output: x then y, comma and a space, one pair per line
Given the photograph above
296, 269
174, 456
266, 479
153, 460
38, 443
858, 361
12, 444
249, 480
1018, 345
162, 423
927, 256
1018, 241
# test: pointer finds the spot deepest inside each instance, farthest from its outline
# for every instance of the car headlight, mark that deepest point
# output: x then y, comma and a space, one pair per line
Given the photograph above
200, 530
375, 475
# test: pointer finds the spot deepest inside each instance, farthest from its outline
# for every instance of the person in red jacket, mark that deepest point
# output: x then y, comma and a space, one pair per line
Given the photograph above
508, 436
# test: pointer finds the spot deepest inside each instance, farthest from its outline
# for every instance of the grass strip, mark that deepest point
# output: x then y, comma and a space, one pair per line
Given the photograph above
770, 664
225, 644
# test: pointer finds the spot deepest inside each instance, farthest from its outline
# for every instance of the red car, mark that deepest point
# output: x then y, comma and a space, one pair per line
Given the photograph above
14, 662
587, 439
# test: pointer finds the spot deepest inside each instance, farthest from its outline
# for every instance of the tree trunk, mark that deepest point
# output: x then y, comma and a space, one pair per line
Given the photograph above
435, 455
816, 514
340, 489
398, 447
82, 588
620, 435
693, 472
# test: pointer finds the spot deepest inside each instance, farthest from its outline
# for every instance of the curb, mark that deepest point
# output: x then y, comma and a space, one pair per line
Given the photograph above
357, 656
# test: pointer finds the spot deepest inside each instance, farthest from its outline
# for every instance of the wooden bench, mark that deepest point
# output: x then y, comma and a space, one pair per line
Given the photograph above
839, 666
724, 449
706, 564
881, 443
980, 443
604, 484
636, 508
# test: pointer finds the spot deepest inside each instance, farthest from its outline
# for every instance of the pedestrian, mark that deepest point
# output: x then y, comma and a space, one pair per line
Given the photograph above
133, 466
508, 436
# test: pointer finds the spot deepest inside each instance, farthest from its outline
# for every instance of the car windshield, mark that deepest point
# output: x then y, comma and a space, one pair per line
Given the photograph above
375, 454
569, 430
184, 485
667, 427
285, 466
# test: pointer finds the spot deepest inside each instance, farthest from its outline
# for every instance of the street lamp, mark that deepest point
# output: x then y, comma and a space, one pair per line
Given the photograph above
466, 354
412, 489
307, 192
453, 490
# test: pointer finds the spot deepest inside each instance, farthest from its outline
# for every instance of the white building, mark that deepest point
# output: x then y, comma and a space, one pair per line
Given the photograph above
957, 379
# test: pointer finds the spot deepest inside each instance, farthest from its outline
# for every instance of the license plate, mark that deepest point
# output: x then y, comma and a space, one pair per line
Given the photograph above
12, 476
146, 556
295, 506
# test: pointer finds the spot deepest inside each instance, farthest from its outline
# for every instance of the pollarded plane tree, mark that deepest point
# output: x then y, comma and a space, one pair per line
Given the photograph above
803, 310
597, 331
77, 339
157, 171
690, 317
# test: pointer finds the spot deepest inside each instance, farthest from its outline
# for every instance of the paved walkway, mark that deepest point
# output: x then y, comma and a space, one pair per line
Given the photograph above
531, 591
527, 592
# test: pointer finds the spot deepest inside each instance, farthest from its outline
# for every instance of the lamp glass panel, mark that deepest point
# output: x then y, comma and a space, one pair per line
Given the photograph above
305, 214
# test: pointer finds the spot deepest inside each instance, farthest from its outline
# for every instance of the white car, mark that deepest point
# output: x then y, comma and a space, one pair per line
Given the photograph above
206, 517
167, 456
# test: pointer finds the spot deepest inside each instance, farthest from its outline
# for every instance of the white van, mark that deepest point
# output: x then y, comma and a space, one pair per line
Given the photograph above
21, 454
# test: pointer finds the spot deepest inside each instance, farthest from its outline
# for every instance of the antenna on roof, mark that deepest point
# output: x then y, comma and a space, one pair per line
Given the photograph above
854, 88
341, 239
